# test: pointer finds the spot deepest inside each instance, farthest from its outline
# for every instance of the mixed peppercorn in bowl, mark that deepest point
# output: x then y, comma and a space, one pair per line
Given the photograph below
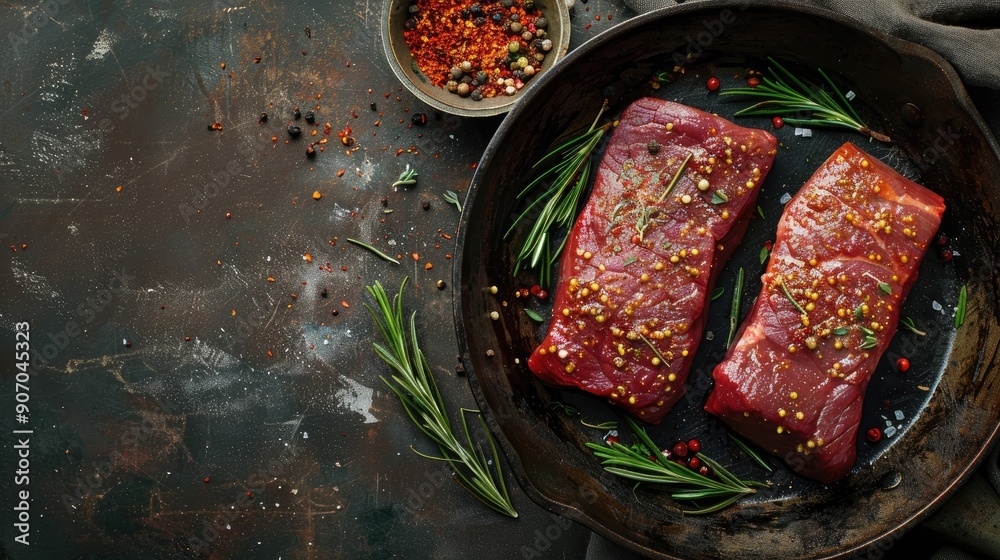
473, 58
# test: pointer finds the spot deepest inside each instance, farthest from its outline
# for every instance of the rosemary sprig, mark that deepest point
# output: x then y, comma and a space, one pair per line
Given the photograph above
717, 293
784, 94
380, 254
757, 458
414, 384
734, 308
643, 462
451, 197
568, 166
909, 325
963, 297
763, 254
885, 287
653, 348
407, 177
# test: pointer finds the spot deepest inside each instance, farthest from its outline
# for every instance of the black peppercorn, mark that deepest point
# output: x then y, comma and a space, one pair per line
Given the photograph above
310, 117
294, 131
497, 18
296, 114
411, 23
426, 205
480, 21
263, 118
419, 119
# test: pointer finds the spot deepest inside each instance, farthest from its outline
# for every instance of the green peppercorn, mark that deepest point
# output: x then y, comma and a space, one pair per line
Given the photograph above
514, 46
516, 27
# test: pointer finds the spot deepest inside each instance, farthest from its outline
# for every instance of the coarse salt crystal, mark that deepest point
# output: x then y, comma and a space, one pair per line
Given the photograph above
785, 198
890, 431
850, 95
900, 415
937, 306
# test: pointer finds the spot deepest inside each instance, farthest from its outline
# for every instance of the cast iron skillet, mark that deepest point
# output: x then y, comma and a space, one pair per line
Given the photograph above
943, 413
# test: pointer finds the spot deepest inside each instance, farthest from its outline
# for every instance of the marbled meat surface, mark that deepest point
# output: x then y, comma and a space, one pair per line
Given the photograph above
642, 256
847, 252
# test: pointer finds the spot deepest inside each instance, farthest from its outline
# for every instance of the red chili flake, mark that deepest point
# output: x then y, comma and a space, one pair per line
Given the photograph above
128, 344
946, 255
270, 354
229, 215
753, 81
777, 122
187, 339
587, 26
694, 445
680, 449
162, 307
84, 111
206, 480
902, 364
250, 495
345, 304
712, 84
303, 52
256, 60
873, 434
610, 440
941, 239
636, 239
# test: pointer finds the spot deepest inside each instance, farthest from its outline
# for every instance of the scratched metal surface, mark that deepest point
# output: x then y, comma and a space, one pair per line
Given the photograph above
148, 449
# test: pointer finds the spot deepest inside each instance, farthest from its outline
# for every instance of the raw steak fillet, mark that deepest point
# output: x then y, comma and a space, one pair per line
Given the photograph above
847, 252
640, 260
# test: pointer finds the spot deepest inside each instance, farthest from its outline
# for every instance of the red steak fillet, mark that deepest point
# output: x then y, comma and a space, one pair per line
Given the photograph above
847, 252
641, 258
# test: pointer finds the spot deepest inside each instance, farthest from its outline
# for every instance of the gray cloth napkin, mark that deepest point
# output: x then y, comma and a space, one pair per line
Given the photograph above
963, 31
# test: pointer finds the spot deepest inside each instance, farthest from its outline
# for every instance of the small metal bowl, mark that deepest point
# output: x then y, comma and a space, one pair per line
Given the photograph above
405, 67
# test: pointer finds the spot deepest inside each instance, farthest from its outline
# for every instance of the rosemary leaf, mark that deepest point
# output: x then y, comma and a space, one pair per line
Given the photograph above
757, 458
719, 197
763, 255
676, 178
885, 288
788, 295
963, 296
718, 293
534, 316
653, 348
414, 384
734, 307
451, 197
840, 331
567, 409
407, 177
760, 212
601, 426
380, 254
909, 325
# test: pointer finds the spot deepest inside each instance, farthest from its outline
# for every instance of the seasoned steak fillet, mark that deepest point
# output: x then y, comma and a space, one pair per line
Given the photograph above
640, 261
847, 252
